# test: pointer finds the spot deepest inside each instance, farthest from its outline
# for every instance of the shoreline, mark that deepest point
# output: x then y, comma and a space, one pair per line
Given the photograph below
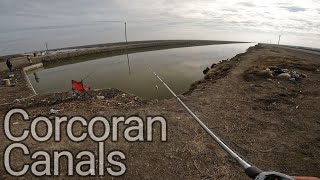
122, 46
106, 50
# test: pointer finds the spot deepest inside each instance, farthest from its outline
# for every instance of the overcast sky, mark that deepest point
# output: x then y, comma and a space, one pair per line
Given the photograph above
27, 24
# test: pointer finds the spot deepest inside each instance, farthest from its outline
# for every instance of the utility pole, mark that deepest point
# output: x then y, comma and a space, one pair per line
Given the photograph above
125, 31
279, 39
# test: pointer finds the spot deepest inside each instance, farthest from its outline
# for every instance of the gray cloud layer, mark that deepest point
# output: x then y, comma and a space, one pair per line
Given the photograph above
165, 17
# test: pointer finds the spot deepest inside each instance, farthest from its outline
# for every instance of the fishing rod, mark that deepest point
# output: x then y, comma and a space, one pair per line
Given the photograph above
252, 171
88, 75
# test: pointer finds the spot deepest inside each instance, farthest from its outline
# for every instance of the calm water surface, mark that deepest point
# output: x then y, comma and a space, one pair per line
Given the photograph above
177, 67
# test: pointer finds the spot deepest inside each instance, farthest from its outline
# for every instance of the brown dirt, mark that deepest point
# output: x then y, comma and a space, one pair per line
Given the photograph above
274, 124
9, 94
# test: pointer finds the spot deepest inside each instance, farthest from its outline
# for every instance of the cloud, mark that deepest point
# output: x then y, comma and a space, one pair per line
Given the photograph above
294, 8
258, 13
161, 18
248, 4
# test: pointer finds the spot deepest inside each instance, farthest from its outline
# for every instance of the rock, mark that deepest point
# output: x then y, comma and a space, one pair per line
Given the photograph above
265, 73
277, 70
136, 98
206, 70
303, 75
101, 112
284, 76
213, 65
298, 76
100, 97
7, 82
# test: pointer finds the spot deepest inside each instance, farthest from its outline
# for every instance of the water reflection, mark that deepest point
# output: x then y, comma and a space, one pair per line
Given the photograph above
36, 78
129, 68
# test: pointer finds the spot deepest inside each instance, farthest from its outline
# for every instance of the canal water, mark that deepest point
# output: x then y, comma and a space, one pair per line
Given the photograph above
178, 67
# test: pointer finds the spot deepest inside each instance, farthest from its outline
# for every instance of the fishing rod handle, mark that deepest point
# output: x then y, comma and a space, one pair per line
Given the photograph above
272, 175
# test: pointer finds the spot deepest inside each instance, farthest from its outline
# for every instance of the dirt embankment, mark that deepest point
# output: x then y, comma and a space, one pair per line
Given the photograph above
274, 123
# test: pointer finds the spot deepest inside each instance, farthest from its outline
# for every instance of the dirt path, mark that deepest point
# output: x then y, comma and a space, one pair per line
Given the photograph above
273, 123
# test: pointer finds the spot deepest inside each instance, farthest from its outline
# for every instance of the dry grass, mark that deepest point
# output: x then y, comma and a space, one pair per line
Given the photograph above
289, 62
217, 71
256, 72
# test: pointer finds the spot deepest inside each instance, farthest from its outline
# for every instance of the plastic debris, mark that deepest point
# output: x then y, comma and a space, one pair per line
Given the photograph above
53, 111
100, 97
17, 101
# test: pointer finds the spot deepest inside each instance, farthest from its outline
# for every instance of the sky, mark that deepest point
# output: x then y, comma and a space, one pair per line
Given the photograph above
27, 24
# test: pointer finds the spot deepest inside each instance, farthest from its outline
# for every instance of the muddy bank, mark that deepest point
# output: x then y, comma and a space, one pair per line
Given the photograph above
273, 123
